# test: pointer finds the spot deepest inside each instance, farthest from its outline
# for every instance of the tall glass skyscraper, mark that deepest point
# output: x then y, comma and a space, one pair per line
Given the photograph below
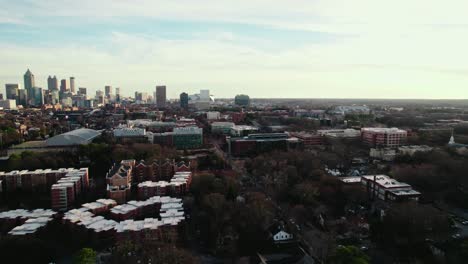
29, 83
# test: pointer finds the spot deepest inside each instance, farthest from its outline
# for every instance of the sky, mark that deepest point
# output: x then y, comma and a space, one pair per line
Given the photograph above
263, 48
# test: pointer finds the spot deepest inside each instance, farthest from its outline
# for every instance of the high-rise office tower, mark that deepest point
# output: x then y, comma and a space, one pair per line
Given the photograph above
63, 86
72, 85
49, 83
52, 83
161, 96
184, 98
205, 95
29, 83
117, 95
23, 97
82, 91
36, 97
12, 91
108, 91
99, 97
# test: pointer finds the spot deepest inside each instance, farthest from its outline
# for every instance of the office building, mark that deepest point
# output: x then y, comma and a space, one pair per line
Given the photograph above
187, 137
205, 95
99, 97
23, 97
52, 83
108, 91
260, 143
141, 98
117, 95
29, 83
383, 137
184, 99
352, 109
72, 85
82, 91
340, 133
9, 104
309, 139
37, 97
242, 100
221, 127
63, 86
213, 115
161, 96
12, 91
242, 130
385, 188
127, 134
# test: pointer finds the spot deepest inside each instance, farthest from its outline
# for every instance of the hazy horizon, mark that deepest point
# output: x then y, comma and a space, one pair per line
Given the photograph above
321, 49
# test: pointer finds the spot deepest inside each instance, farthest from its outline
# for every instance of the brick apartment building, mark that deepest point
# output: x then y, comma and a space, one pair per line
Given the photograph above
119, 180
383, 137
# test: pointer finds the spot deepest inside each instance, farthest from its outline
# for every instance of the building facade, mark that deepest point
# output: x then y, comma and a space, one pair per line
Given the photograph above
184, 100
383, 137
161, 96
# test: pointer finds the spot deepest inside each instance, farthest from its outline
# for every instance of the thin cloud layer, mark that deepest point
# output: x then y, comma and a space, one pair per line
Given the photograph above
362, 48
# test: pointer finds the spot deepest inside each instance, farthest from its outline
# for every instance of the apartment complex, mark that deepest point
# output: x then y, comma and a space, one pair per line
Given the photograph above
119, 179
40, 180
177, 186
158, 170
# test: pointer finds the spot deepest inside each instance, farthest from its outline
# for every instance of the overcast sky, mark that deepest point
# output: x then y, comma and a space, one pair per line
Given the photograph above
264, 48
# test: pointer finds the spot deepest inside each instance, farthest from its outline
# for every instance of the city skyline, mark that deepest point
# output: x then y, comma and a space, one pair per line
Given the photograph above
310, 49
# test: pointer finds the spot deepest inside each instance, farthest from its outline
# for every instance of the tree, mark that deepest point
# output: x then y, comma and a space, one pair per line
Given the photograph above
348, 255
85, 256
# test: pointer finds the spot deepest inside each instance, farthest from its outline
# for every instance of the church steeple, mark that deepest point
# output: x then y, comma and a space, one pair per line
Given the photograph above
452, 139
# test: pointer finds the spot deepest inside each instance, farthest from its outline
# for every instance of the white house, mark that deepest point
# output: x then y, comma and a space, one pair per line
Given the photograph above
282, 236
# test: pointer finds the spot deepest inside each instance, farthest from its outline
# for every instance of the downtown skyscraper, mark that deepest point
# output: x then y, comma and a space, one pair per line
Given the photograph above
161, 96
52, 83
29, 83
72, 85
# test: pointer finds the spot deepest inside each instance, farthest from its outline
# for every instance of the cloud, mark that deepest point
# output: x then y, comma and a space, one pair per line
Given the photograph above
405, 48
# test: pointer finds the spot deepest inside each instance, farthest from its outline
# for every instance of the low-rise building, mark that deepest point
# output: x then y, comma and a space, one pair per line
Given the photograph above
309, 139
413, 149
242, 130
260, 143
340, 133
386, 154
221, 127
135, 134
187, 137
385, 188
213, 115
9, 104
